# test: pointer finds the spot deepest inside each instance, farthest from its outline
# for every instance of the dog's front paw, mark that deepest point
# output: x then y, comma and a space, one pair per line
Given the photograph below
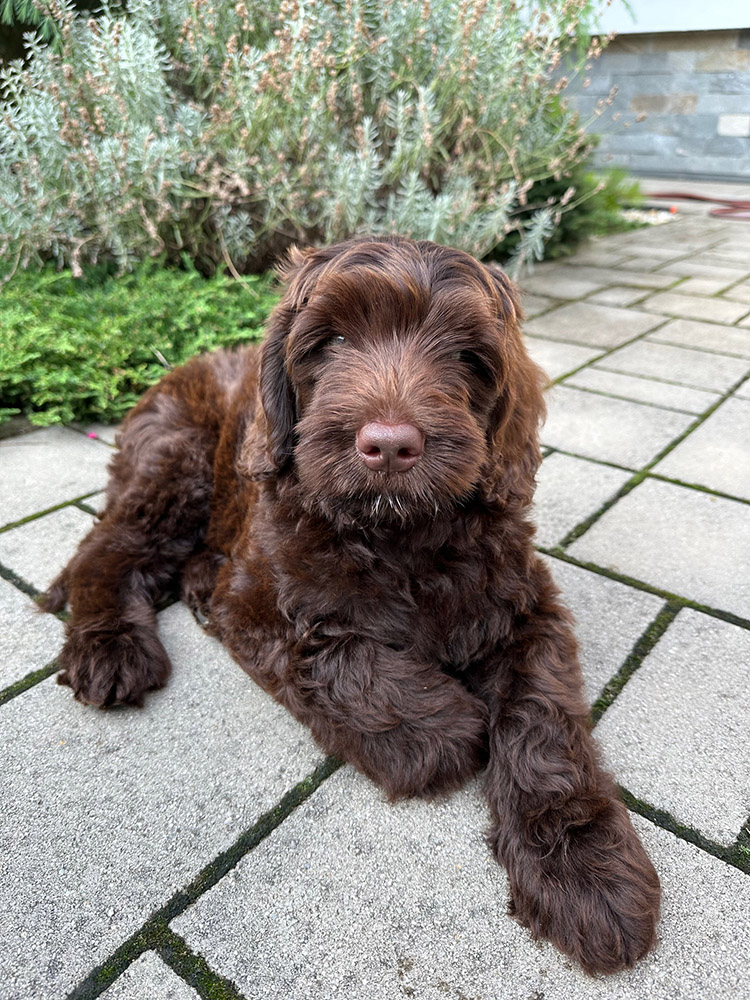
108, 666
429, 757
595, 896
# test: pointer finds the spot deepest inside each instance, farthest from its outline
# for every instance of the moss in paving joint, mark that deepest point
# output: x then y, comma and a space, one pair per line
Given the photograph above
736, 855
12, 577
628, 399
194, 969
698, 488
151, 934
592, 461
30, 680
47, 510
556, 552
702, 350
86, 508
701, 419
28, 588
643, 646
583, 526
605, 353
638, 477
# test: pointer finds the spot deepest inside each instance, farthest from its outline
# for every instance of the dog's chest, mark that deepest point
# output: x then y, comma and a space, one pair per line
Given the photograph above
435, 604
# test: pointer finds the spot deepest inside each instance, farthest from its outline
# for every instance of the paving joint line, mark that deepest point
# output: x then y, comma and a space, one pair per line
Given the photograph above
705, 350
606, 352
86, 508
697, 319
645, 472
697, 487
700, 419
29, 681
659, 381
628, 399
643, 646
555, 552
194, 969
737, 855
49, 510
149, 934
95, 437
553, 449
6, 573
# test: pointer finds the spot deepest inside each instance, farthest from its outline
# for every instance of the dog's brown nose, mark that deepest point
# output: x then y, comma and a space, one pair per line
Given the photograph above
389, 447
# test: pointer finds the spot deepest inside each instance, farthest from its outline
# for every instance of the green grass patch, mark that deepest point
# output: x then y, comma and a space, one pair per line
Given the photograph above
86, 348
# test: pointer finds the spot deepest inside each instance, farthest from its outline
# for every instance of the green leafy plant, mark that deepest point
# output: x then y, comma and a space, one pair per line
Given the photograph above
80, 349
228, 130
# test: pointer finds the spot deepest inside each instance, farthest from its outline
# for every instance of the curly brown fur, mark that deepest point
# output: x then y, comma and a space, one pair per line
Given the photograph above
387, 594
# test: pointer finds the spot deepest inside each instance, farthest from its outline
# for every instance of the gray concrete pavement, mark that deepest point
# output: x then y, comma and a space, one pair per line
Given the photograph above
201, 847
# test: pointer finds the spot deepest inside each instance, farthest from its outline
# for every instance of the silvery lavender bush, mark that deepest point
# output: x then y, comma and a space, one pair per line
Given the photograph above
227, 129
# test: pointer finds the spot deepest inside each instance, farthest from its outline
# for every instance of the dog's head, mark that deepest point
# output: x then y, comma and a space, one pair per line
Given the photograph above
395, 384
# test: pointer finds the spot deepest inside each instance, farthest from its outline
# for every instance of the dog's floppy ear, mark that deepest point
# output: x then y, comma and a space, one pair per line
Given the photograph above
269, 441
520, 407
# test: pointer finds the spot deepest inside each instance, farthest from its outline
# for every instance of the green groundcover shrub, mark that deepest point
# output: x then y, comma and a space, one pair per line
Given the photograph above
82, 349
229, 129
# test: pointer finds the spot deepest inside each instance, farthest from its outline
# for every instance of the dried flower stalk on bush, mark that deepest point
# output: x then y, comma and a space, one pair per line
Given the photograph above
228, 129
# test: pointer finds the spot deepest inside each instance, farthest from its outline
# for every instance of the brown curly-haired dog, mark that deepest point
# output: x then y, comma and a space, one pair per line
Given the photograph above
347, 508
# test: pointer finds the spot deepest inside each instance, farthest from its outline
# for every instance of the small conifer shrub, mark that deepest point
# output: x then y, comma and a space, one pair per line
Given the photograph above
86, 348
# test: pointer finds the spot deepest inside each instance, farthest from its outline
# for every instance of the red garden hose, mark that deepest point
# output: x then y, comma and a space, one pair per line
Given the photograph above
732, 207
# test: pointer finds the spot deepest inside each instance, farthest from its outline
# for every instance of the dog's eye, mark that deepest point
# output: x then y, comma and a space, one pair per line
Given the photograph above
338, 339
476, 364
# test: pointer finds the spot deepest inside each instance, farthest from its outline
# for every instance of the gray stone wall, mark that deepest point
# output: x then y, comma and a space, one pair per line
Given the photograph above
682, 107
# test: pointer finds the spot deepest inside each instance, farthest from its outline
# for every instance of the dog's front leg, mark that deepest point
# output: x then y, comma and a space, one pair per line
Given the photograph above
406, 725
579, 875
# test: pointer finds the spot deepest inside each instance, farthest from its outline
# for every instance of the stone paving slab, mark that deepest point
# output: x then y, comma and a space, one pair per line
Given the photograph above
692, 544
592, 325
38, 550
568, 491
46, 468
703, 336
28, 639
533, 305
677, 733
716, 454
691, 268
618, 295
725, 259
649, 259
695, 307
699, 369
739, 292
557, 358
703, 286
559, 286
644, 390
128, 806
148, 978
610, 618
353, 898
597, 254
612, 430
614, 276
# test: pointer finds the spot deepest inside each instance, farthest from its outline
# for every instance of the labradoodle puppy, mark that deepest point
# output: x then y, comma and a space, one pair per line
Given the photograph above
346, 509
